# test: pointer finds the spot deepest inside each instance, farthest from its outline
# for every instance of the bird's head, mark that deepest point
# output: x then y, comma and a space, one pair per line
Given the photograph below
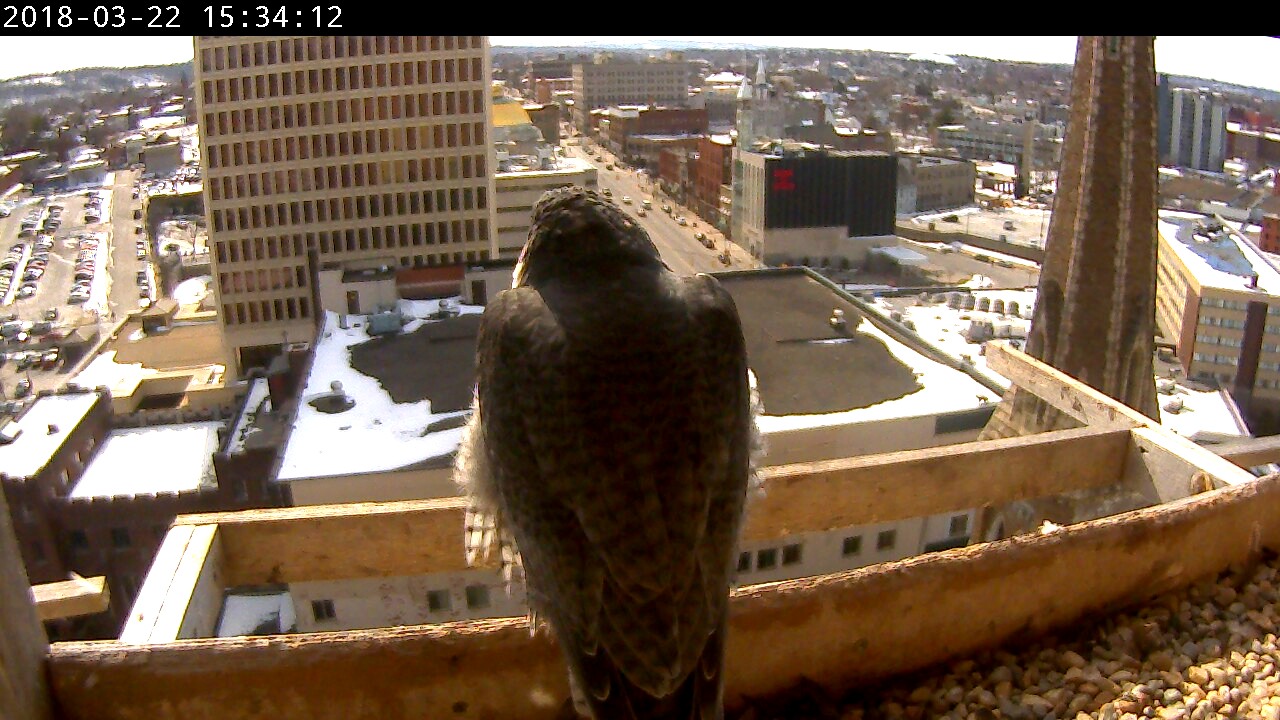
576, 231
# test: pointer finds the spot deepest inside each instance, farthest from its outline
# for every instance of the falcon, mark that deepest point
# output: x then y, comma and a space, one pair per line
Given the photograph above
609, 456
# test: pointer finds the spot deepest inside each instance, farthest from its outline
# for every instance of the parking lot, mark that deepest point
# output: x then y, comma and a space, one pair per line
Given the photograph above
75, 262
1018, 224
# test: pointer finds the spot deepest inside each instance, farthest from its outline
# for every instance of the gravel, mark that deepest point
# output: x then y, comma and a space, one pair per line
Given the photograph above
1208, 652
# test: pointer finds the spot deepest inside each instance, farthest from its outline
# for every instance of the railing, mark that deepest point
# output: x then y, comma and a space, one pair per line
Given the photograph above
1195, 514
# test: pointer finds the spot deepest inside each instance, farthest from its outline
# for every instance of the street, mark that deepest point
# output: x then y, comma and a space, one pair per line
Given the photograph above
682, 253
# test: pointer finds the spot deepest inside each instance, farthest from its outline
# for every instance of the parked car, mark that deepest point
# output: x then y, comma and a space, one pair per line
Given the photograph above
23, 389
681, 221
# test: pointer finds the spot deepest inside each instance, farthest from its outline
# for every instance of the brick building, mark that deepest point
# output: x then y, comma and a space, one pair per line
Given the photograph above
1269, 240
93, 499
631, 132
712, 174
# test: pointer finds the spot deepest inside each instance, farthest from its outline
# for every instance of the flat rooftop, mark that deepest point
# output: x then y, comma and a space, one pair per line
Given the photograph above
152, 459
410, 390
811, 374
1217, 254
1199, 411
31, 451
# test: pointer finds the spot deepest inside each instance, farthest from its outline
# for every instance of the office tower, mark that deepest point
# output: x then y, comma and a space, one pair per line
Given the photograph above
1197, 130
608, 81
1095, 304
359, 151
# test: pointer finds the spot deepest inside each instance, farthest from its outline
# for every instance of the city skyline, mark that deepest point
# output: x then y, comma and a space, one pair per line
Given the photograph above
1249, 62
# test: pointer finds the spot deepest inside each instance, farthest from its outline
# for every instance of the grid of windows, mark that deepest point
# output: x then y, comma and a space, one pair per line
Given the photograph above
348, 147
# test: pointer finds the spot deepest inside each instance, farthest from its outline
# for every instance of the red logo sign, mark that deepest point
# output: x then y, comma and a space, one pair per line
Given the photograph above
784, 180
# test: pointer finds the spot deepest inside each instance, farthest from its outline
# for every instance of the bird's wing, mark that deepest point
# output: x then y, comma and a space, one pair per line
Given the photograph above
619, 448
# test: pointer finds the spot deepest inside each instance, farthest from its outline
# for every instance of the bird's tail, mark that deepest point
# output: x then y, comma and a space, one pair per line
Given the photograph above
605, 693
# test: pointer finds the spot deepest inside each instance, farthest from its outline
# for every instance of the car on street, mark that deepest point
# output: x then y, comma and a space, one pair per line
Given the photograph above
640, 212
647, 205
681, 221
608, 193
626, 199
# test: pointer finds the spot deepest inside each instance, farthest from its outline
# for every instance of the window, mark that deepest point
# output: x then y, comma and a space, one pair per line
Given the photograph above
120, 537
322, 610
744, 562
78, 540
886, 539
852, 546
791, 554
477, 596
438, 600
766, 559
959, 525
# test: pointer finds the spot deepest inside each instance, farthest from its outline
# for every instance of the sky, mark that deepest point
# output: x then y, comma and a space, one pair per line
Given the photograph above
1245, 60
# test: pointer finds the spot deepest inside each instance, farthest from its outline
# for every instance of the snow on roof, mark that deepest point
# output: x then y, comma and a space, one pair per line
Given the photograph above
155, 123
943, 389
724, 78
152, 459
1204, 410
256, 613
933, 58
1223, 259
377, 434
257, 400
31, 451
105, 371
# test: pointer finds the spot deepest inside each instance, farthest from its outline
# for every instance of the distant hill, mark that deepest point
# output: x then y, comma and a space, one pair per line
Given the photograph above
85, 82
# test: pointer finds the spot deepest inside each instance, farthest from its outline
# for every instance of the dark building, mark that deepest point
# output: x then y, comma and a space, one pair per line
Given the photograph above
1164, 117
806, 202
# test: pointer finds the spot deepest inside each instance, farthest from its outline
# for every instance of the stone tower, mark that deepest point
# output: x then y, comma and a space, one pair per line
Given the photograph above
1096, 301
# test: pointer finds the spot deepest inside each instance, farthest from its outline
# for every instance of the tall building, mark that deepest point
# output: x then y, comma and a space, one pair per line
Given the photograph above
1218, 302
610, 81
1164, 116
1197, 130
360, 151
1101, 247
804, 205
933, 183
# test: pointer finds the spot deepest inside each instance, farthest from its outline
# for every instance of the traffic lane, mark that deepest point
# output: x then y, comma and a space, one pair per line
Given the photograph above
683, 254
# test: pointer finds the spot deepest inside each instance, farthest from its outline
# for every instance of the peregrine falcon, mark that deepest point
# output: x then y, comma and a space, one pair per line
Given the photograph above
610, 453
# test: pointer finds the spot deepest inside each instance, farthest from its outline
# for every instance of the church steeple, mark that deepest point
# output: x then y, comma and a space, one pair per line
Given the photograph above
1096, 299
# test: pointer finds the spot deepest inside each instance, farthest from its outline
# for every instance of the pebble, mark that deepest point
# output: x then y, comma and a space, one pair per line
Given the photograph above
1208, 652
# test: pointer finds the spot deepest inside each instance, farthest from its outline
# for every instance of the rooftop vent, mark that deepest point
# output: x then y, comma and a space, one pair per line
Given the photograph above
837, 320
333, 402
